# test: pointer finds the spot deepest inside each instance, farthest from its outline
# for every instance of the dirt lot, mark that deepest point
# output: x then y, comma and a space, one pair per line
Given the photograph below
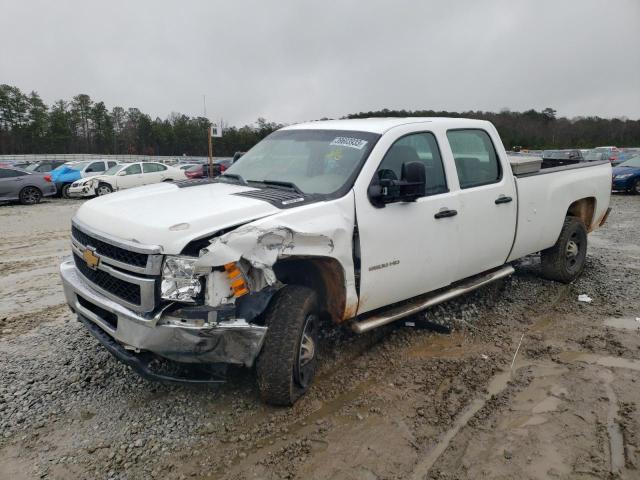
394, 404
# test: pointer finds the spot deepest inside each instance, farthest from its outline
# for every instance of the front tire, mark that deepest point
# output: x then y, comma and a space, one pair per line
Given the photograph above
565, 261
64, 191
103, 189
636, 187
30, 196
288, 361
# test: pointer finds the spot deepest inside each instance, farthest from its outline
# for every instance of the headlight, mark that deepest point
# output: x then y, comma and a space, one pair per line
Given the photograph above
179, 281
624, 175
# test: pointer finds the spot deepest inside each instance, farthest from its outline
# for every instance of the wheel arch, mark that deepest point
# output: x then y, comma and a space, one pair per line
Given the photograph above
584, 209
325, 275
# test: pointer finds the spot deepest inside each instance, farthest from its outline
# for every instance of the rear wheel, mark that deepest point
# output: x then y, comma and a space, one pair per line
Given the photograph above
565, 261
288, 361
30, 195
103, 189
65, 191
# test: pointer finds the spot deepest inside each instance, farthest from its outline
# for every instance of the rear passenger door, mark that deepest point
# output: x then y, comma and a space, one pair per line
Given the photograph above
488, 202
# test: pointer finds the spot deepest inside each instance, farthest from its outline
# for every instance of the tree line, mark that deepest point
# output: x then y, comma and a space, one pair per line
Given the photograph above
540, 129
83, 125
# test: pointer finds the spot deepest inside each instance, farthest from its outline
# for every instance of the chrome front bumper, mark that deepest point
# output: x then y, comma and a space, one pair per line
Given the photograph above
234, 341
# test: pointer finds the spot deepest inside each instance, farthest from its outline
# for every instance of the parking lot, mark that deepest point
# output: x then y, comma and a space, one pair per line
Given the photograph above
430, 405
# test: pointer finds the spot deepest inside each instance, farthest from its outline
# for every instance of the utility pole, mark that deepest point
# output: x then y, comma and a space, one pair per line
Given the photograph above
210, 152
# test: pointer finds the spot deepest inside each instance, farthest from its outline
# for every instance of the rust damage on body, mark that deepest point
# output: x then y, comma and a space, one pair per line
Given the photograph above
584, 210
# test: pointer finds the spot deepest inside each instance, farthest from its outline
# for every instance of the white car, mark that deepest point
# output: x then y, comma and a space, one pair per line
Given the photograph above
125, 175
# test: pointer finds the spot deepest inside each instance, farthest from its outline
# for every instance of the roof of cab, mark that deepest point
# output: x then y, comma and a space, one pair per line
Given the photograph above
383, 124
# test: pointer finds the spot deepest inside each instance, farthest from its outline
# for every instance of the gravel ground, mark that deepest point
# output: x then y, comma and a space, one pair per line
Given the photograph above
398, 403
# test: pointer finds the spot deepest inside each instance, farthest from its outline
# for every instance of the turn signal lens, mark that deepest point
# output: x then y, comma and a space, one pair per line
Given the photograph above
236, 280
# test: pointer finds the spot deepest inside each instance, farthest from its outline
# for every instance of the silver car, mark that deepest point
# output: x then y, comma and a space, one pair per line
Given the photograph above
26, 187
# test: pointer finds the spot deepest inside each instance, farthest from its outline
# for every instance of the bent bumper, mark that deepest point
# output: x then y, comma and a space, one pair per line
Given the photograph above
81, 191
234, 341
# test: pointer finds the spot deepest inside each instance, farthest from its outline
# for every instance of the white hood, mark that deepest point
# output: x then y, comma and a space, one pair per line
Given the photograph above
147, 214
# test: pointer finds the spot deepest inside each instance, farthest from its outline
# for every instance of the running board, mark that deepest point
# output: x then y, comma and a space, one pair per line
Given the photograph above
423, 302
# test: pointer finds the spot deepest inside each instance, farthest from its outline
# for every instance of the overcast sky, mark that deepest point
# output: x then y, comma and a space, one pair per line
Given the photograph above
296, 60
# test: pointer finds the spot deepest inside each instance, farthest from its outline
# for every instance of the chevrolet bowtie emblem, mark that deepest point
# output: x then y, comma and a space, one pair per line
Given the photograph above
91, 259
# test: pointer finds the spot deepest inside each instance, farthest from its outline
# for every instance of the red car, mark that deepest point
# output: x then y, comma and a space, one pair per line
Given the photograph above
201, 171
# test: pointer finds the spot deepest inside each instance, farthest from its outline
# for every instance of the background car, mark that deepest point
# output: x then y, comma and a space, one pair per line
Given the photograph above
603, 153
125, 175
26, 187
70, 172
44, 166
557, 158
201, 171
626, 176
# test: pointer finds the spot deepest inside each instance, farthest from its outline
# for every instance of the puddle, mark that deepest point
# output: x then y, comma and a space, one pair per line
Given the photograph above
616, 441
549, 404
613, 362
623, 323
497, 384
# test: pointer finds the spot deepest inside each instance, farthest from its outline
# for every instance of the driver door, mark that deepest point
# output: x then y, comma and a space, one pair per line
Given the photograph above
407, 248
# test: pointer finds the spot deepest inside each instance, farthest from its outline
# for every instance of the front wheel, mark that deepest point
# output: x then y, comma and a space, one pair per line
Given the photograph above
103, 189
65, 191
30, 195
288, 361
565, 261
636, 187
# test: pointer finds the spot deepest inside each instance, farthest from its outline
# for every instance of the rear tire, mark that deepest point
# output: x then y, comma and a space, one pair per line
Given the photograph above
64, 191
103, 189
30, 195
288, 361
564, 262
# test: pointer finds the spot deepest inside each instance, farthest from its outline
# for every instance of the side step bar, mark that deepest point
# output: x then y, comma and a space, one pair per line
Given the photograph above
423, 302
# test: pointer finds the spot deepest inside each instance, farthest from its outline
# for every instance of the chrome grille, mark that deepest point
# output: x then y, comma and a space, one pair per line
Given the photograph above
127, 272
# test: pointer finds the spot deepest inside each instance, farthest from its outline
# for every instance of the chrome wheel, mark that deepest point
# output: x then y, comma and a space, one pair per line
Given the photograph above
103, 190
305, 367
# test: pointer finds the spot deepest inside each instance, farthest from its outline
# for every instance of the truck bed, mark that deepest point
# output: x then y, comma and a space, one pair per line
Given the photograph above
545, 196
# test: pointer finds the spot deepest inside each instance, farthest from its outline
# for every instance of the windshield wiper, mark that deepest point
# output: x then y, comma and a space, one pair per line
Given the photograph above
234, 176
282, 184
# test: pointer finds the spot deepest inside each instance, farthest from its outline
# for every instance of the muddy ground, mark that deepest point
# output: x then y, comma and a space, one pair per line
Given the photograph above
394, 404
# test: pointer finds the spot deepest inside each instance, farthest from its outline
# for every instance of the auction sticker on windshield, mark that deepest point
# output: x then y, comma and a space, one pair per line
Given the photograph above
357, 143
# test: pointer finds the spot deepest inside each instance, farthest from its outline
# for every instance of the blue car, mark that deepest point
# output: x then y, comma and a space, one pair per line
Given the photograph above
68, 173
626, 176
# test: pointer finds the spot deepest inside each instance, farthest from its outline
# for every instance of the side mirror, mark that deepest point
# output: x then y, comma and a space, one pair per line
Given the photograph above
122, 173
409, 188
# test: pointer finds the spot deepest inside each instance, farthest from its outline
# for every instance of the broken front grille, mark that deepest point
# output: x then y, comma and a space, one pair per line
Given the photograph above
130, 292
106, 249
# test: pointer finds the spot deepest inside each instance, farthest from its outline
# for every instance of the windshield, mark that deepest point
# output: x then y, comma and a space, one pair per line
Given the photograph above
632, 162
113, 170
315, 161
596, 155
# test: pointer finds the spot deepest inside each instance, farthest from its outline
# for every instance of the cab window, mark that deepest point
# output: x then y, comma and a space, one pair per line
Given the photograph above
95, 167
476, 159
133, 169
416, 147
111, 164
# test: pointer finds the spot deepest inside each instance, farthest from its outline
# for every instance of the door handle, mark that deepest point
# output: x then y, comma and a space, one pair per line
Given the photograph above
445, 213
503, 199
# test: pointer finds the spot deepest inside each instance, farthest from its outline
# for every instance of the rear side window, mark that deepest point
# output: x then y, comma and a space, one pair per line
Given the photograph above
476, 159
416, 147
153, 167
8, 173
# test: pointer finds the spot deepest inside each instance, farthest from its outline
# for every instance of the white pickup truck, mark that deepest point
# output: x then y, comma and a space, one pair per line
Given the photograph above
360, 222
